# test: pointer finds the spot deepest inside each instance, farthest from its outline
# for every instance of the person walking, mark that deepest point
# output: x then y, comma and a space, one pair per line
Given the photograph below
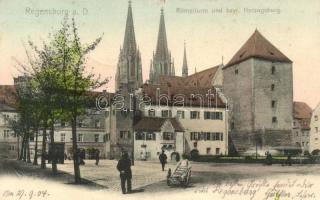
97, 155
163, 159
124, 167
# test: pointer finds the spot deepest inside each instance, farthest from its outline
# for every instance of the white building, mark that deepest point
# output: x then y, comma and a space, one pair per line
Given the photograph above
154, 134
8, 140
315, 130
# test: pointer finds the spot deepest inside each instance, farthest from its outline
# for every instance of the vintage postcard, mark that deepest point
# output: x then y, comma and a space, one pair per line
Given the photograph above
159, 99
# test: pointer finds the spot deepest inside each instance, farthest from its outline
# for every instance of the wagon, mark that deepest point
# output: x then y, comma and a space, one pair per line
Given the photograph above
181, 176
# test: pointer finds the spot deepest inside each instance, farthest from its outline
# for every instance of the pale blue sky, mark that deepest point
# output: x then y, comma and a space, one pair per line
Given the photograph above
295, 31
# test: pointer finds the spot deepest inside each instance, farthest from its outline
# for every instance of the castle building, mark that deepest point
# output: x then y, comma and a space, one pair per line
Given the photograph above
161, 63
258, 84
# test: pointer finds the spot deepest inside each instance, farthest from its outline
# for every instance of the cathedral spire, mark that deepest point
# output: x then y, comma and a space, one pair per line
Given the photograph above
129, 68
185, 63
129, 42
162, 45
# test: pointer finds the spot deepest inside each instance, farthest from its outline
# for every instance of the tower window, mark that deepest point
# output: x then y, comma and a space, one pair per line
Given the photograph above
272, 87
273, 69
274, 120
273, 103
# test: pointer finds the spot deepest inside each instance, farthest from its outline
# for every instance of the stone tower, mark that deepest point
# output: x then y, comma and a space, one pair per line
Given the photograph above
120, 118
184, 64
129, 68
161, 64
258, 84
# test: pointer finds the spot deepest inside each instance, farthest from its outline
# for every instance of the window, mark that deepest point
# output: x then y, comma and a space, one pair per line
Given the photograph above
302, 143
316, 118
213, 115
236, 71
274, 120
303, 134
125, 135
297, 133
272, 87
63, 124
62, 137
166, 113
97, 123
140, 136
80, 138
152, 113
180, 114
107, 114
208, 151
6, 133
194, 115
106, 137
151, 136
273, 69
96, 138
168, 136
294, 123
217, 151
80, 123
273, 103
316, 128
207, 136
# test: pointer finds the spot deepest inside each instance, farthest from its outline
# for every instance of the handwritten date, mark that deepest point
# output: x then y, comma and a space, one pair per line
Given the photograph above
25, 194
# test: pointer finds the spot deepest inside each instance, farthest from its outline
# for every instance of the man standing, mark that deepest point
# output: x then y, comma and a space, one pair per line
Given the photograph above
124, 167
97, 156
163, 159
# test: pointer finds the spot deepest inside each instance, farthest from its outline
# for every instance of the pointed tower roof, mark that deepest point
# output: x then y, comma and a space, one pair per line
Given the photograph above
162, 45
129, 43
258, 46
185, 63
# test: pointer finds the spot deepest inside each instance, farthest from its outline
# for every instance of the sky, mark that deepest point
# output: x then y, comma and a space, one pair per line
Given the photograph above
212, 29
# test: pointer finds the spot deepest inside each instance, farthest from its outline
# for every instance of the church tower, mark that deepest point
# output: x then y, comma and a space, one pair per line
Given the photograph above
129, 68
120, 118
184, 64
161, 64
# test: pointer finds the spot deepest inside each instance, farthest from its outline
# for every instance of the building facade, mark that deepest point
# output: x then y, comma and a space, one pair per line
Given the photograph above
258, 84
301, 126
315, 130
9, 145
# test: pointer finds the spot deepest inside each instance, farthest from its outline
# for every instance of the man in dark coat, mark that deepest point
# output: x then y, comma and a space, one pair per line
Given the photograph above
124, 167
163, 159
97, 156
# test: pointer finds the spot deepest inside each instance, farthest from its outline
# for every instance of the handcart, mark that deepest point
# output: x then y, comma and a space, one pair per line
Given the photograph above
181, 176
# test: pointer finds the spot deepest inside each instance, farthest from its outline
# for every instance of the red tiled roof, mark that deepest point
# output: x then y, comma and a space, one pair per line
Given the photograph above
199, 79
258, 46
189, 95
155, 124
303, 113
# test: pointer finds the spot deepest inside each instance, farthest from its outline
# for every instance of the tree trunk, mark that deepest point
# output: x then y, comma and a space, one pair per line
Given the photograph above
53, 154
35, 159
25, 148
22, 147
18, 150
28, 150
43, 151
76, 167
